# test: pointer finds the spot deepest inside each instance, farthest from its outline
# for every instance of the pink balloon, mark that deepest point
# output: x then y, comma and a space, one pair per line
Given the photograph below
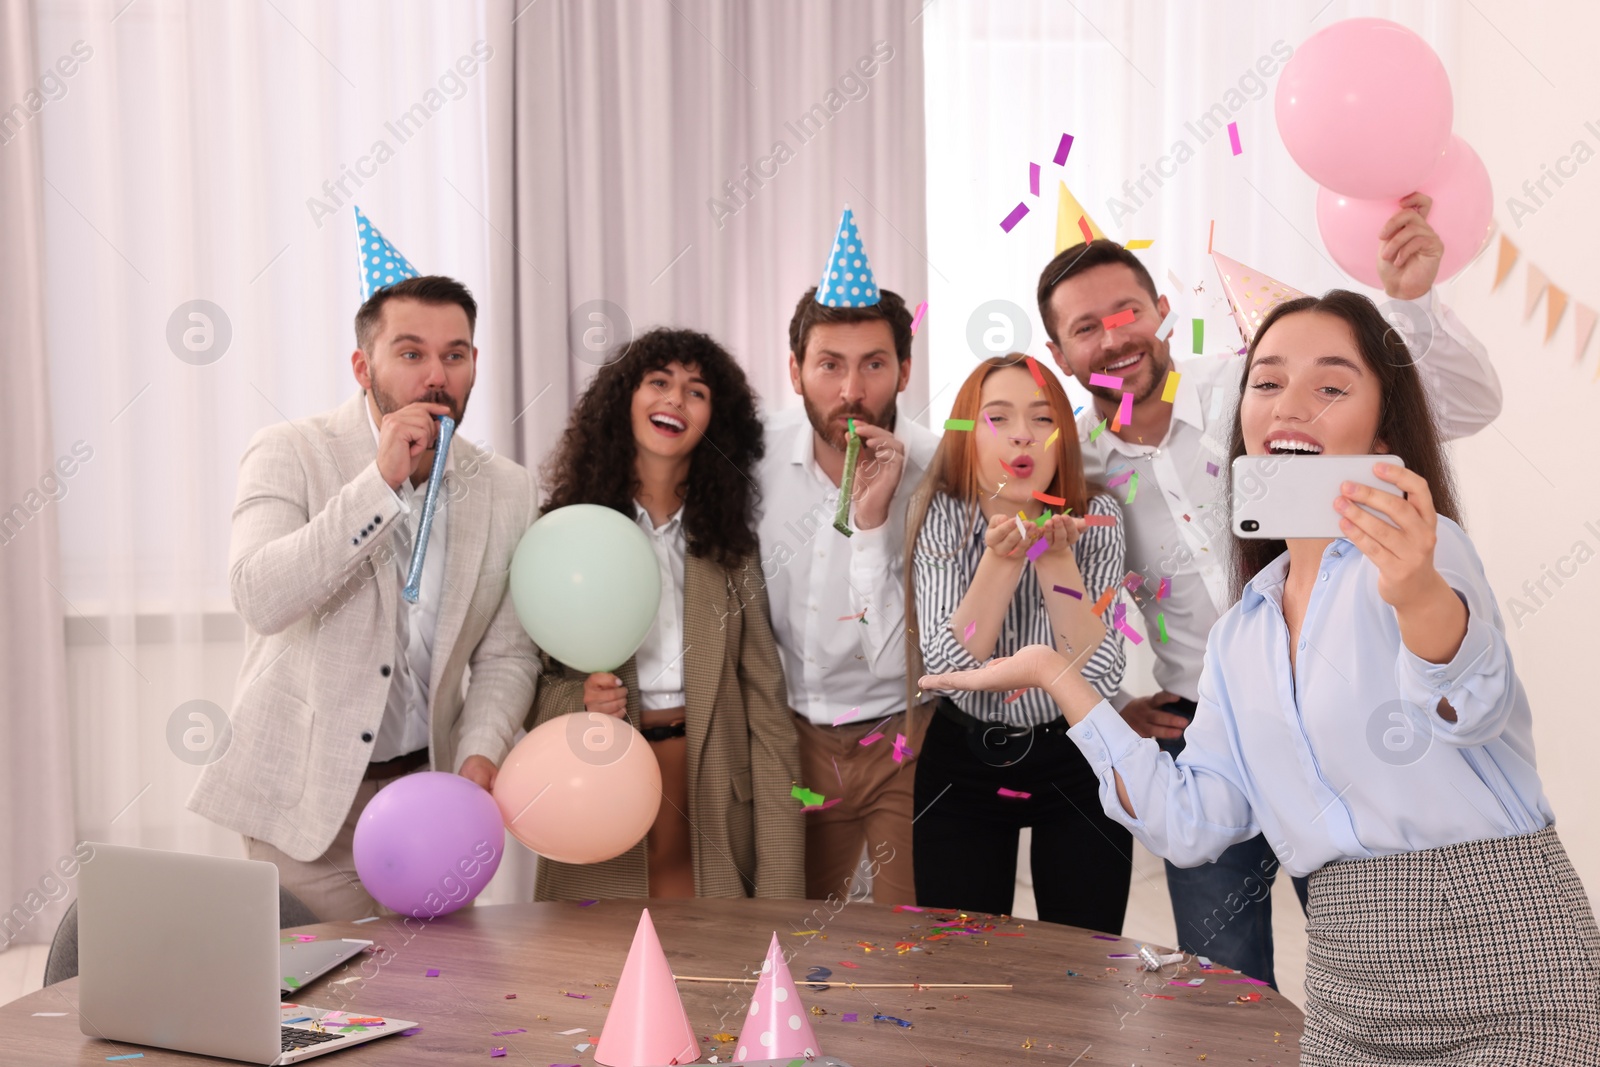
1364, 108
428, 843
1462, 215
581, 788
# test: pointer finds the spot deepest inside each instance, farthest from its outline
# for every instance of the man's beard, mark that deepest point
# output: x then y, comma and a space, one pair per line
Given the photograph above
831, 430
387, 404
1158, 359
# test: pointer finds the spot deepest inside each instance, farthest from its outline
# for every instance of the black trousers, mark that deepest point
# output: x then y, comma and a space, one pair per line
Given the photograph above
964, 839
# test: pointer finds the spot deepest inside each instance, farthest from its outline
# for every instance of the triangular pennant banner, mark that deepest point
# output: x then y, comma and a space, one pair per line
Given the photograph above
1068, 212
1537, 283
1583, 317
1553, 308
1251, 294
1502, 267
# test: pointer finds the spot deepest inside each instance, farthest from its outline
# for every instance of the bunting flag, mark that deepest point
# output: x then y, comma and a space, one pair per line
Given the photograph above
1508, 257
1553, 307
1537, 284
1583, 318
1068, 212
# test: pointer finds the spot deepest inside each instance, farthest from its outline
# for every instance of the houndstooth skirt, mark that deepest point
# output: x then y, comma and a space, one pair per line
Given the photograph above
1483, 953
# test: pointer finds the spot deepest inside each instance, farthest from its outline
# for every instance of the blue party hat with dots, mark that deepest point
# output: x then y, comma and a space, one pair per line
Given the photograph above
381, 263
847, 280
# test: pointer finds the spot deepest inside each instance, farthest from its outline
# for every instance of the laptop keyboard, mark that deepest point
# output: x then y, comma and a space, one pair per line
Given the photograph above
295, 1037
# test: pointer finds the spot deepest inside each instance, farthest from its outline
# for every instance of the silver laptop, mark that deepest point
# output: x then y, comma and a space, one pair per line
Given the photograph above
301, 961
181, 952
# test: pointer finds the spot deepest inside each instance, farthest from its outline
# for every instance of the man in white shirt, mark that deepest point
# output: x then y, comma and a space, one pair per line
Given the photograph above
345, 687
838, 603
1177, 525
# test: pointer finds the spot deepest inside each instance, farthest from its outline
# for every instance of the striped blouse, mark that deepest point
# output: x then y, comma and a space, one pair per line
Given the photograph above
944, 563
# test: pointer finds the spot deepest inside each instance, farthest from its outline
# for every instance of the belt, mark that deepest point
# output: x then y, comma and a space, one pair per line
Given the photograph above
664, 733
394, 768
997, 728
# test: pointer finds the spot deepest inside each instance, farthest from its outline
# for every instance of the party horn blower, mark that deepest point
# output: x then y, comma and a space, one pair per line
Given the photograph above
447, 430
852, 454
646, 1023
777, 1026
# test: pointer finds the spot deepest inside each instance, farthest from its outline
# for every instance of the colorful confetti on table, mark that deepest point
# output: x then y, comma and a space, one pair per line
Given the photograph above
433, 972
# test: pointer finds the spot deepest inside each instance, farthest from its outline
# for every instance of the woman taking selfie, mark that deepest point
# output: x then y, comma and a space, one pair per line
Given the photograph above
988, 573
1359, 706
667, 434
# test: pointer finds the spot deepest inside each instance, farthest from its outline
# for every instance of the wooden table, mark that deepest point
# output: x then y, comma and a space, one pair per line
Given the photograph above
1070, 1005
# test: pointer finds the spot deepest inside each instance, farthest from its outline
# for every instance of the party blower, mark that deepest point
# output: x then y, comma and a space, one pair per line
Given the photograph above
447, 430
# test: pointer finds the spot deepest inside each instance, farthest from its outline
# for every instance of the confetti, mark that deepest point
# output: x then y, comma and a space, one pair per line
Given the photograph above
1157, 996
1033, 178
1121, 318
1233, 138
578, 996
1199, 336
922, 309
1015, 217
1048, 441
1161, 624
1133, 486
1104, 601
990, 421
433, 972
496, 1052
128, 1056
1168, 324
1138, 244
1069, 592
1037, 549
806, 797
1211, 236
1212, 469
902, 751
1125, 411
845, 716
1098, 430
1164, 589
1033, 369
959, 424
819, 974
580, 1029
1108, 381
891, 1019
59, 1014
852, 618
412, 1032
872, 738
1247, 998
972, 628
1099, 520
1117, 479
1104, 937
1083, 228
1016, 695
1133, 581
849, 1016
1169, 392
1046, 498
1013, 793
1043, 518
1063, 148
508, 1033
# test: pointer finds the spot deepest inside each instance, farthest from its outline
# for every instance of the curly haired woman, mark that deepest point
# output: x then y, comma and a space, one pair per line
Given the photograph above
706, 687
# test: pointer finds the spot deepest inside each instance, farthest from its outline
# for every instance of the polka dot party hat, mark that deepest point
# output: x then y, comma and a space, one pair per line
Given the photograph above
778, 1025
381, 263
847, 280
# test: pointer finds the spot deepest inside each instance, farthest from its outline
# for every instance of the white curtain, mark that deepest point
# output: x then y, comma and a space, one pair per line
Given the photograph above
35, 793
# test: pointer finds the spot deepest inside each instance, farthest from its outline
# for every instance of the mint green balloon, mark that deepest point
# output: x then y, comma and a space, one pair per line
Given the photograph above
586, 586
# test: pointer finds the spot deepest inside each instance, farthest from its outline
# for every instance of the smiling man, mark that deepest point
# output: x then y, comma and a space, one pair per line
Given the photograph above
345, 687
1222, 909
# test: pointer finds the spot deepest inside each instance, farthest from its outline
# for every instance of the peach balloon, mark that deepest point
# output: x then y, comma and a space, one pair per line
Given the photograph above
581, 788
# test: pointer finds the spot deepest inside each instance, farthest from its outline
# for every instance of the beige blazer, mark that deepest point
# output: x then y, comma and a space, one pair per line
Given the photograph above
313, 577
747, 830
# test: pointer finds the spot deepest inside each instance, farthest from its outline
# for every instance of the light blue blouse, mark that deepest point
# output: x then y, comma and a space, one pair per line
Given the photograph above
1343, 756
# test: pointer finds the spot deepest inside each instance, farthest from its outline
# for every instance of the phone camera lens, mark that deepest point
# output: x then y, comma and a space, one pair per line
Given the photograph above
1249, 525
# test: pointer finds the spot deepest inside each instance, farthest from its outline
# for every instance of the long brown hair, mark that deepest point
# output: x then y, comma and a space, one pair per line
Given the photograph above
1405, 421
954, 471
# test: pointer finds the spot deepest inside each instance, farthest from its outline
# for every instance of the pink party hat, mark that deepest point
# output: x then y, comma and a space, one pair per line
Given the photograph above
646, 1024
1251, 294
777, 1026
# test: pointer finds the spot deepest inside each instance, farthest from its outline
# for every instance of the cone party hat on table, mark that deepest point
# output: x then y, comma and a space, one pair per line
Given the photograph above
380, 262
1068, 212
778, 1025
847, 280
1251, 294
646, 1024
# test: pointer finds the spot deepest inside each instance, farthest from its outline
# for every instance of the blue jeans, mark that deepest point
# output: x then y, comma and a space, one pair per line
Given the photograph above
1223, 910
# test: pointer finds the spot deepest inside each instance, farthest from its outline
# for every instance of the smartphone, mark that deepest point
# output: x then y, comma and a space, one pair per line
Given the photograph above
1277, 497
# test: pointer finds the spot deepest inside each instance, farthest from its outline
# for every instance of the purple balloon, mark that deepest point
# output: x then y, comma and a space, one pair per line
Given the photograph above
428, 843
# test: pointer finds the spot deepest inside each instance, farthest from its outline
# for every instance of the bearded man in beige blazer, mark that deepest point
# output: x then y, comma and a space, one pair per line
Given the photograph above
345, 687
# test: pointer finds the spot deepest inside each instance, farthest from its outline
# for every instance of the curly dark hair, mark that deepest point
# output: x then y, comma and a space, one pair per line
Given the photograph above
594, 461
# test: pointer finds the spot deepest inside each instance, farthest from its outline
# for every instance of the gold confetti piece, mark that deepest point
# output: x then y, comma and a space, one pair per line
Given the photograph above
1027, 1042
817, 1009
723, 1039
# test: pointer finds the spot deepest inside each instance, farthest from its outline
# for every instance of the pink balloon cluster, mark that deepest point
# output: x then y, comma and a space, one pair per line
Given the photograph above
1364, 107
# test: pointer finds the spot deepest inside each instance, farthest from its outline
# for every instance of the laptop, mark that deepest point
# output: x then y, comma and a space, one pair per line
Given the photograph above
182, 952
301, 962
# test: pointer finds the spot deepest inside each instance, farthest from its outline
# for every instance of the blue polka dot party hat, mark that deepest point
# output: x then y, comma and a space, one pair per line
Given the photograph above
847, 280
381, 263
